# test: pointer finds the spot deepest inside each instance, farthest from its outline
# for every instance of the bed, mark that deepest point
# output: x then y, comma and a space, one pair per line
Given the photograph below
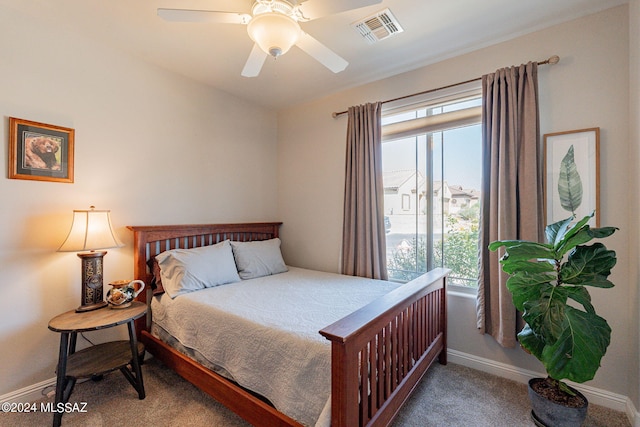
377, 353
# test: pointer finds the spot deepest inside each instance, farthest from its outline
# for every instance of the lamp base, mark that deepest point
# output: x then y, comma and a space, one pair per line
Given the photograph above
90, 307
91, 281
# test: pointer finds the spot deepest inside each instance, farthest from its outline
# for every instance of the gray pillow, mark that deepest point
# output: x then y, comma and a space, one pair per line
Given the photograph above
188, 270
258, 258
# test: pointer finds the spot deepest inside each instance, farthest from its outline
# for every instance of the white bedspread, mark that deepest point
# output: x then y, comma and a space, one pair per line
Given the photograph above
264, 332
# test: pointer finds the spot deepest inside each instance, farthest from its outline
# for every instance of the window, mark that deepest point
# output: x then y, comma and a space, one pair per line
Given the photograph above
432, 155
406, 202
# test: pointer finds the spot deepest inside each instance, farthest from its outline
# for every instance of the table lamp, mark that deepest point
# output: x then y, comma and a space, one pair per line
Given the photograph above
91, 230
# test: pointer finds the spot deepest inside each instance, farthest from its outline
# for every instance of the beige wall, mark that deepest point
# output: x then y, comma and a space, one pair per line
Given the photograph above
588, 88
152, 147
634, 195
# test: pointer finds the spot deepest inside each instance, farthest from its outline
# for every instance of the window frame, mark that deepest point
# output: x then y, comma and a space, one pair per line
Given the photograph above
428, 125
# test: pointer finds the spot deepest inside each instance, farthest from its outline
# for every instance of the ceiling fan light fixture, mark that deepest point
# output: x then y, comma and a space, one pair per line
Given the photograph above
274, 32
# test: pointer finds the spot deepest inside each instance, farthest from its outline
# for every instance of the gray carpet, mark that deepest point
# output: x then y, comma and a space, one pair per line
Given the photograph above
450, 395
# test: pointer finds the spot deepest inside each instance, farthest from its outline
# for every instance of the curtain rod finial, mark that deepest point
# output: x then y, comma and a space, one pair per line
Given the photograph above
554, 59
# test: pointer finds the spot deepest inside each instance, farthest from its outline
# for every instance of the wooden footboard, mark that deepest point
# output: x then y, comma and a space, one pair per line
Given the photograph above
380, 352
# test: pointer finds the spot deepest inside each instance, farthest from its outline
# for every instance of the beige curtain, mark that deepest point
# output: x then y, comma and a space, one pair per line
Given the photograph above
363, 235
512, 192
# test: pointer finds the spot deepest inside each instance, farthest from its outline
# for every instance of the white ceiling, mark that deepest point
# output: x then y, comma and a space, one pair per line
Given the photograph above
215, 53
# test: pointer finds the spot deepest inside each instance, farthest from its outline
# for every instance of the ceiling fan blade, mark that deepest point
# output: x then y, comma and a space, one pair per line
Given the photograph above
314, 9
255, 61
321, 53
185, 15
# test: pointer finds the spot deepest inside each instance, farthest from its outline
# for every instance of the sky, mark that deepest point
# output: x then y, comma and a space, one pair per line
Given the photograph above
461, 160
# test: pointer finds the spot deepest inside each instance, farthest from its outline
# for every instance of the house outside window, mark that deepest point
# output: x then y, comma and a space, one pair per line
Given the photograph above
432, 156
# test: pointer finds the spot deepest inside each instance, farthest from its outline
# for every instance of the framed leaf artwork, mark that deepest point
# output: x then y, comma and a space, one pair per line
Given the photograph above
572, 175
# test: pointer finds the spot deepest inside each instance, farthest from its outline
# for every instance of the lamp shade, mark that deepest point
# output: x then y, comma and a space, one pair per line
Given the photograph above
274, 32
91, 230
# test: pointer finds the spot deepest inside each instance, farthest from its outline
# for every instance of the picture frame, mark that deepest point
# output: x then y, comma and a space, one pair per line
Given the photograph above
40, 151
572, 175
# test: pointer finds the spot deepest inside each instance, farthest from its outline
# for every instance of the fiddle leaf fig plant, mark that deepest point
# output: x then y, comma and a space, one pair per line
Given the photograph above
548, 283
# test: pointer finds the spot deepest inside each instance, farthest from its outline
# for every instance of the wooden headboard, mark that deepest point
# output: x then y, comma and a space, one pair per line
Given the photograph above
150, 240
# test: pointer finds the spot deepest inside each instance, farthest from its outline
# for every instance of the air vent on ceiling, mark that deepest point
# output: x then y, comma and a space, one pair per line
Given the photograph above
379, 26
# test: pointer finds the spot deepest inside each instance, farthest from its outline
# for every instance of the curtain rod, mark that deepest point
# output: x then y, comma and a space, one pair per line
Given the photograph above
552, 60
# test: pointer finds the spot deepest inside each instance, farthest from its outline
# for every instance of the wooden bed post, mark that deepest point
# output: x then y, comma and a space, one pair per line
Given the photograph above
345, 389
442, 357
141, 273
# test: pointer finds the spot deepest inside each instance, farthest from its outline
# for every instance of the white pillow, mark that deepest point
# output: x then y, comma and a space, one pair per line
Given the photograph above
188, 270
258, 258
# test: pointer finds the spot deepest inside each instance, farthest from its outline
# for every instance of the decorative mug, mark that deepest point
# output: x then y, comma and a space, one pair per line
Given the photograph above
123, 292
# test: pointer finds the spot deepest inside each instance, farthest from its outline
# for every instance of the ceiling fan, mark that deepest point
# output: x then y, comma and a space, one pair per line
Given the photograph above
274, 27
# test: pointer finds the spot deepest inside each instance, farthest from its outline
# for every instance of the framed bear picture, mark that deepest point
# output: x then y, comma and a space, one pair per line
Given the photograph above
41, 152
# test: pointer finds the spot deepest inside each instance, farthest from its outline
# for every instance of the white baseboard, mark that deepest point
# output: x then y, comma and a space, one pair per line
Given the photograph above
597, 396
29, 394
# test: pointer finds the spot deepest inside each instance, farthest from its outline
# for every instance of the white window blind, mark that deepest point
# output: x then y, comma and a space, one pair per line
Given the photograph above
439, 122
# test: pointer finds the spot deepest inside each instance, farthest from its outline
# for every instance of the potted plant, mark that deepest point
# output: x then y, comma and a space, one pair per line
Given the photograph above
548, 283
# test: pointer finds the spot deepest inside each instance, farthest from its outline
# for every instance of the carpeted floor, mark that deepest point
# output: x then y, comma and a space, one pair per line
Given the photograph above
450, 395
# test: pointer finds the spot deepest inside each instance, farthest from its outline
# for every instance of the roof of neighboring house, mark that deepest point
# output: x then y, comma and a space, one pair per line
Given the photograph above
458, 191
394, 179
